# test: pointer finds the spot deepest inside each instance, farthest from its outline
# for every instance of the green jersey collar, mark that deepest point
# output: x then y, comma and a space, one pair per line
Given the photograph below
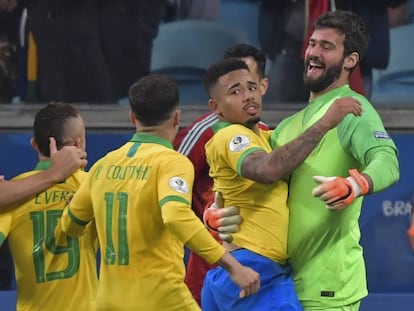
43, 165
329, 96
148, 138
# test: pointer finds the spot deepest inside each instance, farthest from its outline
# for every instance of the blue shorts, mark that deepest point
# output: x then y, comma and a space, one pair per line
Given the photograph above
276, 292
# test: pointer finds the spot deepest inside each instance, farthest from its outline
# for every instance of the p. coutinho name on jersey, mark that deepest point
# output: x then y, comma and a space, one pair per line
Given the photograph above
123, 172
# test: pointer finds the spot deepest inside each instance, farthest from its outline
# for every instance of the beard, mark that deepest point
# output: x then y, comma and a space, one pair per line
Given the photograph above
328, 77
252, 121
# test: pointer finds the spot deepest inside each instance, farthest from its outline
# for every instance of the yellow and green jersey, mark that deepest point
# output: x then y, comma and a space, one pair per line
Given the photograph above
324, 246
262, 206
53, 271
140, 198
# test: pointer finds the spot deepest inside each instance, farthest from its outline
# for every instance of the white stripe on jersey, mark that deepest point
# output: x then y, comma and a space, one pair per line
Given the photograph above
193, 135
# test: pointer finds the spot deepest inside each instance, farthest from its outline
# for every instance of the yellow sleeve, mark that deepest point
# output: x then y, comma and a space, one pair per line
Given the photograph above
175, 193
183, 223
79, 213
5, 225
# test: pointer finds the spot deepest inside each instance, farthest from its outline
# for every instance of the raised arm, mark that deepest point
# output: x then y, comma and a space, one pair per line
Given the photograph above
64, 163
271, 167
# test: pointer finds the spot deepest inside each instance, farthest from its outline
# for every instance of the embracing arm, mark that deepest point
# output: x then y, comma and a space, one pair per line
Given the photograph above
271, 167
64, 163
18, 190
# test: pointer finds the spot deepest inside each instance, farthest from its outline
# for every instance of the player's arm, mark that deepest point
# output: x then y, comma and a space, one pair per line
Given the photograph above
182, 222
64, 163
175, 191
368, 142
5, 224
271, 167
79, 213
381, 172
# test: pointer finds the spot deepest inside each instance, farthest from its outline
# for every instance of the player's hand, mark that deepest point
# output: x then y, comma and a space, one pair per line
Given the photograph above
65, 161
339, 192
339, 109
247, 279
2, 178
222, 221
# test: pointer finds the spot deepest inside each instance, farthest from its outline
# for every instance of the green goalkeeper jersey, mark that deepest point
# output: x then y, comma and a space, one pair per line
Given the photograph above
323, 246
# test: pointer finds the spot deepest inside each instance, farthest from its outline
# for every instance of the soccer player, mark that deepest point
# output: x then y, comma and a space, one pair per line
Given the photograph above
53, 272
63, 163
358, 157
239, 154
140, 198
191, 140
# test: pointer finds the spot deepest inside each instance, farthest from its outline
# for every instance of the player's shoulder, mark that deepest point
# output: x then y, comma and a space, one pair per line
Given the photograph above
231, 129
368, 109
200, 130
359, 97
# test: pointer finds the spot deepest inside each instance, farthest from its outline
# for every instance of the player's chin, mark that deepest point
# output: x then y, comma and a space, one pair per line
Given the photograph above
253, 120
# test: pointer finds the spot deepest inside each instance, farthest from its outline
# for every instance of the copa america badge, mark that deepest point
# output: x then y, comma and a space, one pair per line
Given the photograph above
239, 142
178, 184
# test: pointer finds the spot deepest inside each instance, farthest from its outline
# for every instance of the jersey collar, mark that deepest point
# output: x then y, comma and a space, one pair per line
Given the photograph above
43, 165
148, 138
329, 96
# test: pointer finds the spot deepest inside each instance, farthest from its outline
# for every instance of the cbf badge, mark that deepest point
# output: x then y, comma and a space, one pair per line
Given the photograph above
178, 184
239, 142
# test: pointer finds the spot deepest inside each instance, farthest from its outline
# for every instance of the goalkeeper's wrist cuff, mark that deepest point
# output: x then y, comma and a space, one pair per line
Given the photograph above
359, 183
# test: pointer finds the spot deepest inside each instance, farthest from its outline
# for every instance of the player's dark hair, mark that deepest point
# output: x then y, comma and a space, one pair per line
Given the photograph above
215, 71
153, 98
243, 50
349, 24
50, 122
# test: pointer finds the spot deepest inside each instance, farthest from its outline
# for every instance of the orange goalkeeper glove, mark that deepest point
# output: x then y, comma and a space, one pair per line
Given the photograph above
410, 235
222, 221
339, 192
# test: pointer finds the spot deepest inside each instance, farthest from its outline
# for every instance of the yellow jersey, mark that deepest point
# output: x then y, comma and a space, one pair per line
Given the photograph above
140, 198
53, 271
262, 206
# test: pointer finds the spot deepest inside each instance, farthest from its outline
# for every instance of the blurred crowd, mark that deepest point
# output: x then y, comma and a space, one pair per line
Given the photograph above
92, 50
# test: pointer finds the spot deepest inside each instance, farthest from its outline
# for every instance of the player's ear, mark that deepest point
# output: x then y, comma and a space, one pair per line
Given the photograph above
351, 60
34, 144
212, 103
78, 143
177, 116
264, 85
132, 118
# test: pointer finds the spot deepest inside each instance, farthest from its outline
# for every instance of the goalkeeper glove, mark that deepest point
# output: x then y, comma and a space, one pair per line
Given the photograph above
339, 192
410, 235
222, 221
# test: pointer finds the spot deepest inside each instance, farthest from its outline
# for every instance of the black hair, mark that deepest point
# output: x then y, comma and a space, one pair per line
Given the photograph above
243, 50
215, 71
349, 24
50, 122
153, 98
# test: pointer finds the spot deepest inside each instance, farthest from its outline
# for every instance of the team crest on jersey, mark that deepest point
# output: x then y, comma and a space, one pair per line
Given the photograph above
239, 142
381, 135
178, 184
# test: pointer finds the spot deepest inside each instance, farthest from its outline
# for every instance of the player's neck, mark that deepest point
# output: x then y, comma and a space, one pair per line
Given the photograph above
159, 131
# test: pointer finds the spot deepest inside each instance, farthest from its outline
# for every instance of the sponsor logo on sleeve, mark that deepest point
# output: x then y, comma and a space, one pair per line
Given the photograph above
239, 142
381, 135
178, 184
